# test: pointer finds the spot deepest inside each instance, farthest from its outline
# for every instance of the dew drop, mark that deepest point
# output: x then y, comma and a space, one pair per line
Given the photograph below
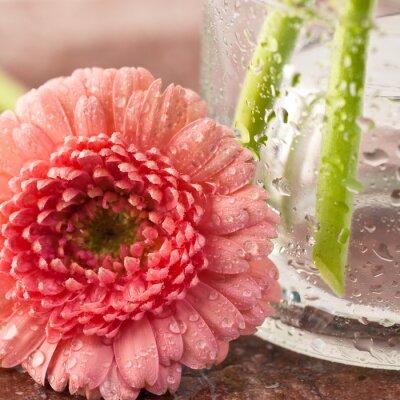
213, 295
182, 327
171, 379
200, 344
226, 323
174, 327
37, 359
193, 317
71, 363
120, 102
10, 333
76, 345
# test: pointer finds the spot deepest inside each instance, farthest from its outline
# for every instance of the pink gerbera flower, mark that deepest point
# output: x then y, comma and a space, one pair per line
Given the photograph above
131, 241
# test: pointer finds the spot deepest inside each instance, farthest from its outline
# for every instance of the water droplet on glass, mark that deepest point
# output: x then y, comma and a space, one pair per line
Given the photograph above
376, 157
395, 198
343, 236
282, 186
363, 344
383, 252
354, 186
318, 344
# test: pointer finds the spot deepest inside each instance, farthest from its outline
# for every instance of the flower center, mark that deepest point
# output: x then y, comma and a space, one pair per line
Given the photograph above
108, 231
101, 233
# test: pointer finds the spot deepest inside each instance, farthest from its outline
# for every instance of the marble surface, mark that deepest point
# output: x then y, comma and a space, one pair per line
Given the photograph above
254, 370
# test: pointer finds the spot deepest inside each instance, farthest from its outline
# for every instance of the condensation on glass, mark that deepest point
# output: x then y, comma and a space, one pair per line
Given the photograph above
363, 327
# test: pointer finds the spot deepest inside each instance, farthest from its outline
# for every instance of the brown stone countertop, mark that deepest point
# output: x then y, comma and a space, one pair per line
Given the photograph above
254, 370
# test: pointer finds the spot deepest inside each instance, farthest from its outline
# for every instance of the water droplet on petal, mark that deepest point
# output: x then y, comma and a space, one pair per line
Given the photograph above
76, 345
71, 363
171, 379
201, 344
37, 359
213, 295
226, 323
174, 327
10, 333
193, 317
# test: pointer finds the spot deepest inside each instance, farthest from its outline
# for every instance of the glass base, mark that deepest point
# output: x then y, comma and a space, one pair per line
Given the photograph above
363, 352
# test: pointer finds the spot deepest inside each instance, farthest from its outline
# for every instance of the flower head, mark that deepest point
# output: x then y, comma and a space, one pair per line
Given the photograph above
132, 242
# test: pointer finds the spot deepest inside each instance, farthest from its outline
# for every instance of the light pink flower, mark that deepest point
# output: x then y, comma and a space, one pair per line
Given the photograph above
131, 241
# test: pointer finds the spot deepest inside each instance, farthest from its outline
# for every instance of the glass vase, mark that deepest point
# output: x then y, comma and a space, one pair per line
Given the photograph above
363, 326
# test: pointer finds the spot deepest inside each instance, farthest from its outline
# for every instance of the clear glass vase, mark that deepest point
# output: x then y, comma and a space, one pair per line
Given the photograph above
362, 327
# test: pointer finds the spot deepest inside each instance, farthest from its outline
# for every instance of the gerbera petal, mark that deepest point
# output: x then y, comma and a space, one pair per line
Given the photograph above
225, 215
114, 387
199, 343
90, 118
218, 312
42, 109
33, 142
127, 81
223, 350
169, 342
37, 363
168, 379
68, 91
99, 83
228, 151
136, 353
255, 240
194, 145
10, 161
241, 290
235, 175
57, 374
162, 115
20, 335
88, 363
6, 305
224, 256
196, 107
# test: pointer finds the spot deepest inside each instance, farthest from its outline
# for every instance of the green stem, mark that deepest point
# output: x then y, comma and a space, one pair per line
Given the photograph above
275, 45
340, 143
10, 91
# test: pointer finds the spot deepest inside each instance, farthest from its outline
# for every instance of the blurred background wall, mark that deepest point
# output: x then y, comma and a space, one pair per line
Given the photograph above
41, 39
